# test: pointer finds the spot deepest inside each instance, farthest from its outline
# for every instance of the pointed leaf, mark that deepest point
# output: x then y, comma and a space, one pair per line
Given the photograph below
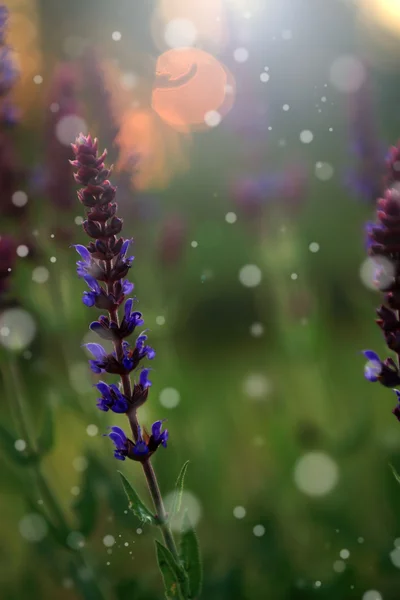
190, 556
86, 506
135, 503
395, 473
46, 438
176, 503
7, 446
170, 572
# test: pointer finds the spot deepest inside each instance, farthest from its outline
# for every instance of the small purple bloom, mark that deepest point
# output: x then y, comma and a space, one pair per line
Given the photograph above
85, 264
89, 298
100, 356
127, 287
144, 378
143, 349
120, 441
132, 319
374, 366
112, 398
160, 437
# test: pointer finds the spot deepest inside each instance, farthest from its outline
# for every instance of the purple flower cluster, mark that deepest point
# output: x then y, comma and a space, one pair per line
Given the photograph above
8, 73
104, 264
383, 245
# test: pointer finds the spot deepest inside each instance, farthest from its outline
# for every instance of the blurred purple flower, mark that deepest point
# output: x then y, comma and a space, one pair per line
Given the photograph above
383, 244
366, 178
172, 240
288, 189
62, 102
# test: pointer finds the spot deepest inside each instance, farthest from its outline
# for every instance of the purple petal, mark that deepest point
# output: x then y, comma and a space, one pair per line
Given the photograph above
372, 371
92, 283
118, 456
127, 287
143, 378
103, 388
150, 353
125, 247
164, 438
371, 355
97, 350
88, 299
120, 432
156, 429
84, 252
128, 308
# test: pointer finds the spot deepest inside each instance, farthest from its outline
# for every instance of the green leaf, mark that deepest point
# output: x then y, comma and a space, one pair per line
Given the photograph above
395, 473
135, 503
176, 503
86, 505
7, 446
190, 556
170, 571
46, 438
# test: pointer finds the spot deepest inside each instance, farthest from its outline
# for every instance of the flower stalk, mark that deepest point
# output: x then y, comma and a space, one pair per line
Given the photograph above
383, 245
104, 264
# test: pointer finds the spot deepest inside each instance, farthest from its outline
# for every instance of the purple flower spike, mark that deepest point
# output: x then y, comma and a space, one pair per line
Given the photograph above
104, 264
383, 247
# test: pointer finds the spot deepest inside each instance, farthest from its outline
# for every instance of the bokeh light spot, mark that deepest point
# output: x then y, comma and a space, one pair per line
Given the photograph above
347, 74
241, 55
33, 527
377, 273
20, 327
180, 33
250, 275
316, 474
306, 136
212, 118
19, 198
190, 503
372, 595
40, 274
239, 512
259, 530
256, 386
169, 397
324, 171
69, 127
231, 217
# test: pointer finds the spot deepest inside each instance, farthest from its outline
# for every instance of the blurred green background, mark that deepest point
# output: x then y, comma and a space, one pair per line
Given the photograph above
249, 249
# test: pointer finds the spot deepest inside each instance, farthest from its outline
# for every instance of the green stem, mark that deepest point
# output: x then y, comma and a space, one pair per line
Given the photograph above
148, 470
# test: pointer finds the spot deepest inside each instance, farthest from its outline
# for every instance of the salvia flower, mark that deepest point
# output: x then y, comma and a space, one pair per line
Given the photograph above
383, 246
144, 446
111, 398
121, 443
104, 264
